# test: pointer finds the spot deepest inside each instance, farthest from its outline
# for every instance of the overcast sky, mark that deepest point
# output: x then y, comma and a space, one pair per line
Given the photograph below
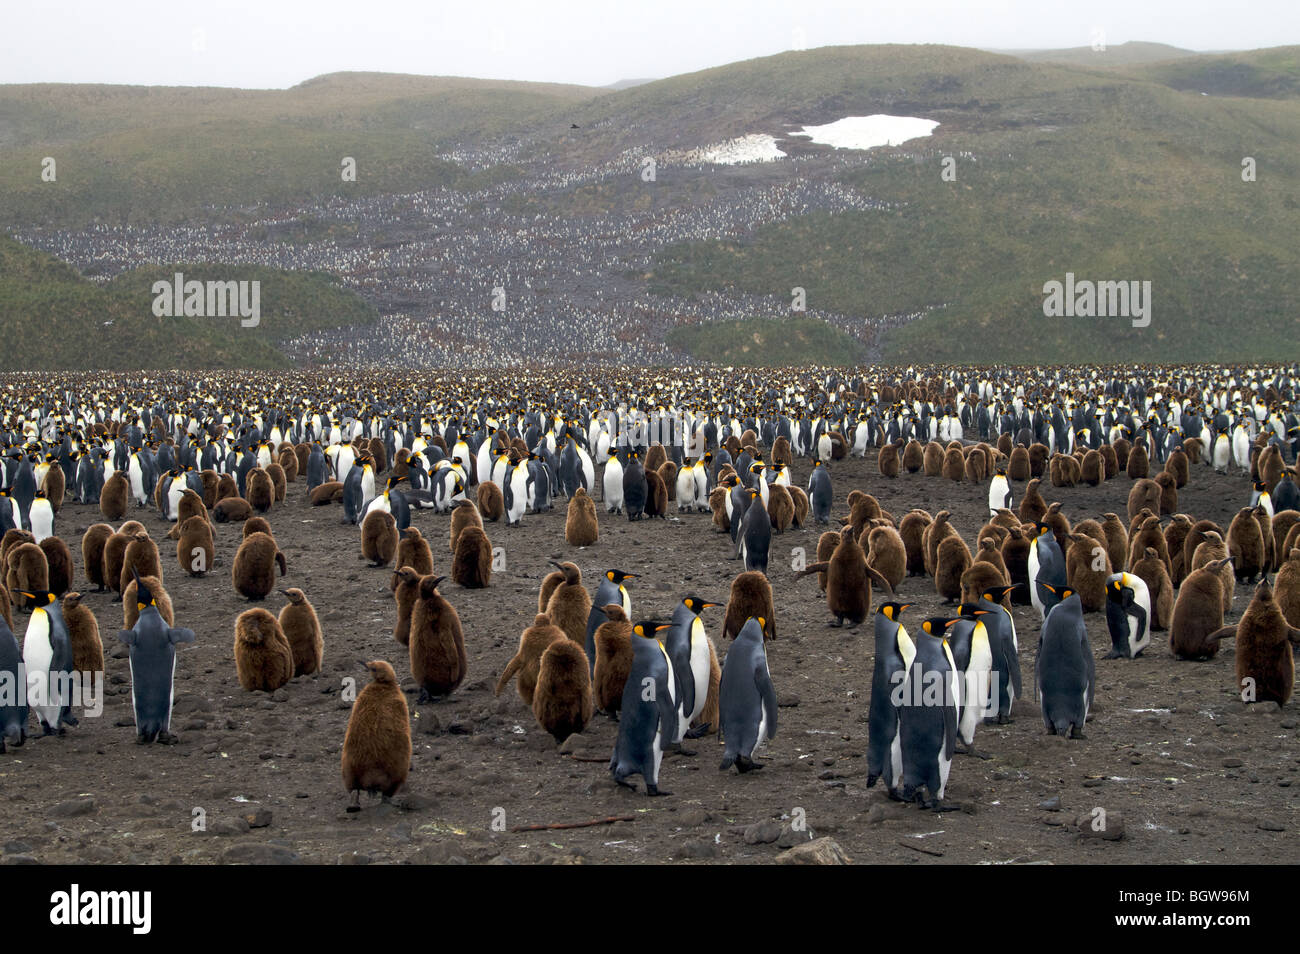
277, 43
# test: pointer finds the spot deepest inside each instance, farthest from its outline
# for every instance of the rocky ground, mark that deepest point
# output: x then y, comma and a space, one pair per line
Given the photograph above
1184, 772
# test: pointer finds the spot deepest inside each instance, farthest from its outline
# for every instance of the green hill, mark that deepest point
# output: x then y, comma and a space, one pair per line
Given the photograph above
166, 154
55, 319
1262, 74
768, 342
1108, 177
1122, 54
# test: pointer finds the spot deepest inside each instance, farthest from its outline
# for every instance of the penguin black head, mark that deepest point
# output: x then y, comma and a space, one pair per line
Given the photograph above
998, 593
697, 605
143, 597
37, 602
648, 628
970, 611
618, 576
1064, 592
892, 610
937, 626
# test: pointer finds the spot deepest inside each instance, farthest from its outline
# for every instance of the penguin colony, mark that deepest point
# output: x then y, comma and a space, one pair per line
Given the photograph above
188, 460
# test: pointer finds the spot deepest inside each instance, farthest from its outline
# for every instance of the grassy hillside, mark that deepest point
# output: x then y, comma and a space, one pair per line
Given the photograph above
766, 342
1112, 179
1123, 54
1263, 74
54, 318
164, 154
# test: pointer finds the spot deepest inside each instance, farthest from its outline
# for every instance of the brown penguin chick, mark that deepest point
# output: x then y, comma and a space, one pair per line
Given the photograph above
301, 628
751, 595
863, 508
1286, 587
195, 551
131, 606
1265, 521
887, 554
379, 537
256, 525
114, 555
656, 455
278, 484
113, 496
413, 551
1138, 464
932, 459
1265, 656
1092, 471
989, 551
1032, 505
6, 602
1015, 557
438, 660
527, 660
471, 564
826, 545
1213, 549
668, 474
991, 531
83, 636
377, 745
58, 562
406, 590
1116, 539
1093, 529
935, 534
1150, 535
718, 507
1110, 459
227, 488
570, 604
1195, 537
887, 459
55, 485
288, 461
1038, 454
1058, 473
1193, 448
1175, 535
12, 539
780, 508
1269, 463
253, 572
1086, 568
656, 495
210, 482
1004, 518
562, 701
979, 578
327, 493
1198, 613
263, 659
954, 466
977, 463
259, 491
549, 584
799, 498
1168, 492
580, 526
781, 452
191, 505
141, 555
951, 562
491, 501
1018, 463
1178, 467
848, 582
1004, 444
1246, 546
613, 641
1292, 538
1059, 524
912, 529
464, 514
1283, 521
1144, 495
232, 510
913, 457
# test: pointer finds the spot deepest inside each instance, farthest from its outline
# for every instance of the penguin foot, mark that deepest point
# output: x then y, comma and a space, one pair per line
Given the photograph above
624, 783
355, 806
654, 791
699, 731
70, 719
970, 750
835, 625
47, 730
746, 764
1113, 654
688, 752
1076, 734
166, 738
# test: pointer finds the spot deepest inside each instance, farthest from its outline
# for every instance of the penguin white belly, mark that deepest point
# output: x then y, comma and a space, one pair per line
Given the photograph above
686, 489
263, 457
1221, 452
896, 759
702, 487
42, 519
1033, 578
762, 733
700, 671
519, 494
38, 654
613, 486
137, 482
174, 493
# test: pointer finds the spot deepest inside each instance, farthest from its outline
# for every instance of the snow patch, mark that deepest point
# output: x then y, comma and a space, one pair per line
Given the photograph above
868, 132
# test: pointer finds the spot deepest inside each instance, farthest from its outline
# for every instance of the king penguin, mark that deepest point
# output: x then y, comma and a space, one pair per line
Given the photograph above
1128, 615
1066, 672
688, 647
894, 654
611, 590
47, 654
746, 698
927, 729
648, 715
1047, 574
151, 644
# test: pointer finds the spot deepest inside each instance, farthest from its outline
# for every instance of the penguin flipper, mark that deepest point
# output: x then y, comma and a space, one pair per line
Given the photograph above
767, 692
816, 568
1226, 632
875, 575
127, 636
181, 635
